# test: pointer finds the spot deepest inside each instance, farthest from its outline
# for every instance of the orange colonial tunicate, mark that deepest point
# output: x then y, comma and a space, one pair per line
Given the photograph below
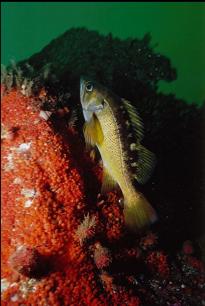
48, 187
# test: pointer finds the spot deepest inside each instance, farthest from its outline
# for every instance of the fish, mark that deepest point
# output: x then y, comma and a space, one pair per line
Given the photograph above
113, 126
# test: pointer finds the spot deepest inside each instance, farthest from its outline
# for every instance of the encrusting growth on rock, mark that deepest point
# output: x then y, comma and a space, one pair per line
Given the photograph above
66, 246
86, 229
64, 243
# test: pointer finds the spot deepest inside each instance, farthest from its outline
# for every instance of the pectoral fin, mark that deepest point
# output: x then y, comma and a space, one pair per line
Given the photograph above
93, 132
108, 182
93, 154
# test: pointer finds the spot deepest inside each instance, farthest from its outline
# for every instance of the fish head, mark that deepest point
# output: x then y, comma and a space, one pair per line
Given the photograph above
92, 96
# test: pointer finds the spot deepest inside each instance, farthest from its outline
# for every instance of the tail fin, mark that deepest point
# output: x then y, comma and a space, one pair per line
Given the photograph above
138, 213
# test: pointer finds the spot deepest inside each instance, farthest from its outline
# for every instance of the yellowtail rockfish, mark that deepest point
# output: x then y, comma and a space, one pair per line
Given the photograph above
113, 125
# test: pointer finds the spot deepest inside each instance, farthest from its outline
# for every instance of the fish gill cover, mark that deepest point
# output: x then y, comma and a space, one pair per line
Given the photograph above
62, 242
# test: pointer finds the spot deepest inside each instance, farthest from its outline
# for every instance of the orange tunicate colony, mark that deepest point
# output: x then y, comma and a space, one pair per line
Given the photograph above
63, 243
48, 186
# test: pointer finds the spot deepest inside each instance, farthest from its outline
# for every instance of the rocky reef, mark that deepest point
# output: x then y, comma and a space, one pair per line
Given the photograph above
63, 243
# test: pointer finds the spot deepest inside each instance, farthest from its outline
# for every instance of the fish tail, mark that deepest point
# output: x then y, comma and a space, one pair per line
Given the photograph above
138, 212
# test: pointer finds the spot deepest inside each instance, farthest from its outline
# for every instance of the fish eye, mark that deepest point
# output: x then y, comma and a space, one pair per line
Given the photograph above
89, 87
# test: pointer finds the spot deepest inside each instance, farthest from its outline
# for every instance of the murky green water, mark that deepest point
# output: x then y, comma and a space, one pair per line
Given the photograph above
178, 29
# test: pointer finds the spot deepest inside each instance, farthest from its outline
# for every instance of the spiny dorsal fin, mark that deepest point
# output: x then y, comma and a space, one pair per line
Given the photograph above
93, 132
108, 182
145, 164
135, 119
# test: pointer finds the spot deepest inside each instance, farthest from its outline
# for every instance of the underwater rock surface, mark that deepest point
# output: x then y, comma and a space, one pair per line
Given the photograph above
62, 242
173, 129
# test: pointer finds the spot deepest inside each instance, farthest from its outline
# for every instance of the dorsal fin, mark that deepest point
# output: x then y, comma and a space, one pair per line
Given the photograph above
145, 164
135, 119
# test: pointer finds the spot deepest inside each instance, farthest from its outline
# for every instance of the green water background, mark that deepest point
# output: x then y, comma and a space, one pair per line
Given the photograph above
177, 29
